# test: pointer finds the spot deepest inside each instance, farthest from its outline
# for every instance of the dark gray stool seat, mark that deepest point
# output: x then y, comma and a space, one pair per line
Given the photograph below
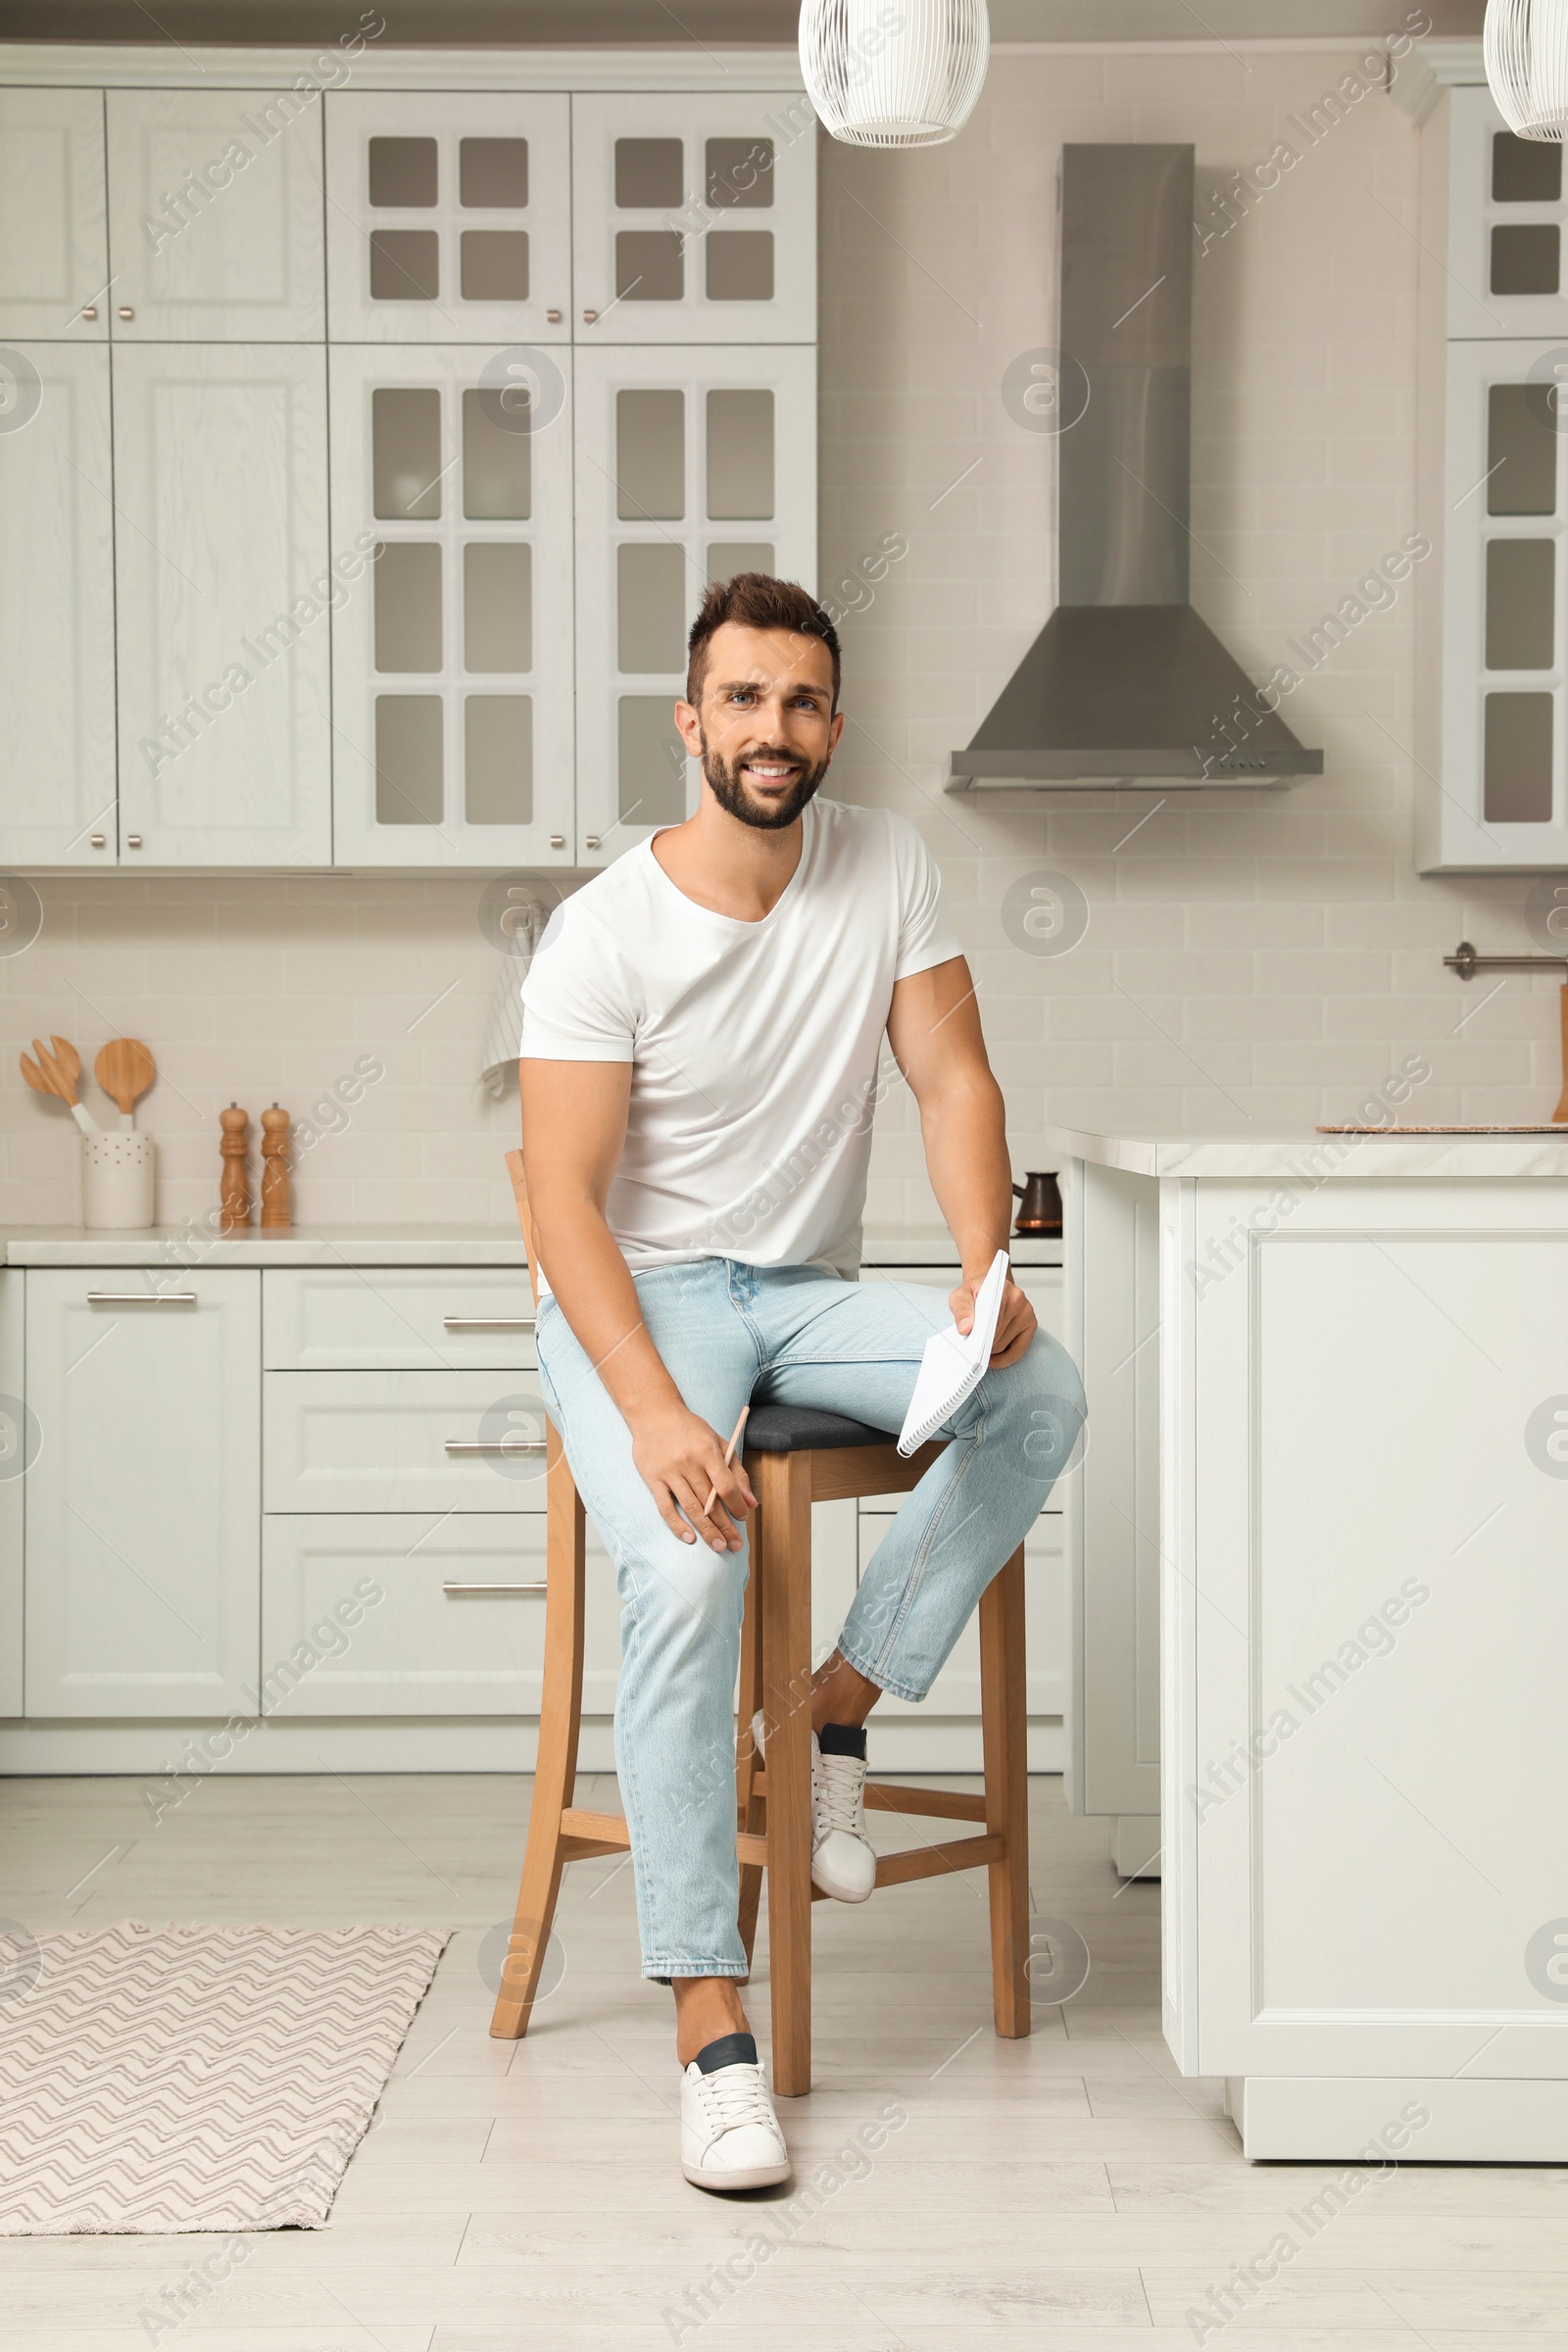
803, 1429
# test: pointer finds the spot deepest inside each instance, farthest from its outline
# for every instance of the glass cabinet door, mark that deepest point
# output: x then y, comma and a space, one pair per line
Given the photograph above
1507, 272
691, 465
1503, 754
453, 647
448, 216
694, 218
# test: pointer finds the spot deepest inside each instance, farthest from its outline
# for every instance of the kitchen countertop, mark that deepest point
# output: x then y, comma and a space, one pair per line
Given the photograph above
174, 1249
1311, 1159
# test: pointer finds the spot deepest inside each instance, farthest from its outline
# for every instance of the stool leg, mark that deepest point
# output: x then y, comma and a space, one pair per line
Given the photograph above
556, 1772
750, 1807
783, 1563
1004, 1716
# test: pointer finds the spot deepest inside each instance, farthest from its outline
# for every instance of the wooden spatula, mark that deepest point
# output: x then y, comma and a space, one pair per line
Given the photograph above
57, 1073
124, 1069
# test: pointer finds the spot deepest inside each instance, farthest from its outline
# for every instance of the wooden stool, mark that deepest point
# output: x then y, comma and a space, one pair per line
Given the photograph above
794, 1457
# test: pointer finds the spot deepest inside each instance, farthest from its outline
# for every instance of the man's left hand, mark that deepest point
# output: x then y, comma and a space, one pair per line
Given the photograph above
1016, 1323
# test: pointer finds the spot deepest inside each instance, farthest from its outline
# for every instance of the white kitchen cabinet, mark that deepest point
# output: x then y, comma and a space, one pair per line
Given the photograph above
224, 580
1365, 1744
142, 1509
1506, 218
1497, 707
694, 220
449, 217
404, 1442
215, 215
397, 1318
692, 465
57, 614
453, 655
17, 1449
54, 241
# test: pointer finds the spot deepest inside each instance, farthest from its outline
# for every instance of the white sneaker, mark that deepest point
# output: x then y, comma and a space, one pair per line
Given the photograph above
843, 1863
729, 2134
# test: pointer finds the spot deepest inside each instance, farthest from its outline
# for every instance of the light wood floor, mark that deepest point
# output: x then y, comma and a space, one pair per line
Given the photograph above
1070, 2191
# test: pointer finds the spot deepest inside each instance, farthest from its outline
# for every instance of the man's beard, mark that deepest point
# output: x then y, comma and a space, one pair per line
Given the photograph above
734, 795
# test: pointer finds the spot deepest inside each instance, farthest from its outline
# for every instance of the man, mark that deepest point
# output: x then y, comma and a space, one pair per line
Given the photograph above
702, 1029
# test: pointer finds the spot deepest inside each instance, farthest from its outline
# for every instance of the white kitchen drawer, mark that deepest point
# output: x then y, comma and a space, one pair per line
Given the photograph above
422, 1647
396, 1318
957, 1690
402, 1441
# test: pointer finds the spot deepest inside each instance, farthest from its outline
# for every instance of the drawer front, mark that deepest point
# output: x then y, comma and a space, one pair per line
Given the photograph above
956, 1688
396, 1318
403, 1442
383, 1613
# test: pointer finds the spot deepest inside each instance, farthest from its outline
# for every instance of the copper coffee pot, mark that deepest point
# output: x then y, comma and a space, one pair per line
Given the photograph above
1041, 1209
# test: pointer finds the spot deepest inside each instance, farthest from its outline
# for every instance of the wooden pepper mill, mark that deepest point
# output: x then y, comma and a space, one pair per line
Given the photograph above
276, 1213
234, 1192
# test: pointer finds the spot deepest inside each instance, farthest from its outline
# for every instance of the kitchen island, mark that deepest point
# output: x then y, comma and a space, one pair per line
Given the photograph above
1358, 1504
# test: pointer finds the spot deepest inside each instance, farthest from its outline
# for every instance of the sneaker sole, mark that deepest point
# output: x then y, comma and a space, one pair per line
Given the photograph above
761, 2176
833, 1893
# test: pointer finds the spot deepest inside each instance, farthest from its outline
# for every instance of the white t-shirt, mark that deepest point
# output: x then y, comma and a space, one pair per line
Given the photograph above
753, 1045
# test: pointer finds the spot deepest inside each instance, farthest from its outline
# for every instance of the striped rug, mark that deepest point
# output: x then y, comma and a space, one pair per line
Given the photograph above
174, 2079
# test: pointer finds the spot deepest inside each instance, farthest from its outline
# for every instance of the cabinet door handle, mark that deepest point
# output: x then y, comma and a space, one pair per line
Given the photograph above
554, 317
141, 1299
487, 1322
126, 310
503, 1446
589, 316
89, 310
495, 1587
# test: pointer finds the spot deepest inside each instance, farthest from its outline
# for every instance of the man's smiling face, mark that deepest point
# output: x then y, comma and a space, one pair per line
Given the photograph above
765, 728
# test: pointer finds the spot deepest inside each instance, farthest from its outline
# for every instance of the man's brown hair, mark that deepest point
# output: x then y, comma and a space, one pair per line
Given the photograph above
757, 601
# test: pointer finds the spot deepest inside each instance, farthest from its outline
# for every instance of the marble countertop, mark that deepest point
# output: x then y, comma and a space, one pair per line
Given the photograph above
177, 1249
1313, 1158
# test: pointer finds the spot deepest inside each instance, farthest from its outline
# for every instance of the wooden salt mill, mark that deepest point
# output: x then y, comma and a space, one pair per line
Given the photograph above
276, 1213
235, 1195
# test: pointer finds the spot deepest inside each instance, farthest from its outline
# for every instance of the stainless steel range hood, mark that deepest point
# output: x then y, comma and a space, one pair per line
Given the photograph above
1125, 684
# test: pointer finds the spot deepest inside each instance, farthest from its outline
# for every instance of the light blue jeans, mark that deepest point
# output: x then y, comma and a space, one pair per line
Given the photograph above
731, 1333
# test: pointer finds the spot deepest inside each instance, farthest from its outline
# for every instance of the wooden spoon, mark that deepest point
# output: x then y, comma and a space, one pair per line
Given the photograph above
57, 1074
124, 1069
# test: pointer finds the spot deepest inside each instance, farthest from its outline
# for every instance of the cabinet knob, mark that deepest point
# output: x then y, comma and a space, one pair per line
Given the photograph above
97, 841
133, 841
554, 317
590, 841
589, 316
558, 840
126, 310
89, 310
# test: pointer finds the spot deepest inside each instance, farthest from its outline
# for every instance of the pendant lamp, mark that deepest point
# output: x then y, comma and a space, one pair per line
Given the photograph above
893, 72
1525, 46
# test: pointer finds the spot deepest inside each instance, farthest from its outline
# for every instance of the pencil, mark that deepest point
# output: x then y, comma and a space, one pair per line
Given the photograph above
729, 1456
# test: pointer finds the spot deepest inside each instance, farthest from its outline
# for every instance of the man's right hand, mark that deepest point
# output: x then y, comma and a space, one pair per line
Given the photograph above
680, 1459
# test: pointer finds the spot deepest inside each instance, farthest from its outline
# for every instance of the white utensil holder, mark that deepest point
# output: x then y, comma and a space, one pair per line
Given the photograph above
117, 1174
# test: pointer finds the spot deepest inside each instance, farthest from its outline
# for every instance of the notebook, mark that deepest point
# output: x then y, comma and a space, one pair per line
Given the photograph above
953, 1364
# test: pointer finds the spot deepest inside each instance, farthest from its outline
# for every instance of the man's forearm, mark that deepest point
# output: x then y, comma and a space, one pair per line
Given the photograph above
964, 1132
598, 1297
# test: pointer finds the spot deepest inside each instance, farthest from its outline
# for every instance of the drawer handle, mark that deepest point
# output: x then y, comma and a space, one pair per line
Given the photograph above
503, 1445
141, 1299
495, 1587
487, 1322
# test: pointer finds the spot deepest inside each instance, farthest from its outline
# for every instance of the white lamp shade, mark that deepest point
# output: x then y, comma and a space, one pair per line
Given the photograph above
893, 72
1525, 46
